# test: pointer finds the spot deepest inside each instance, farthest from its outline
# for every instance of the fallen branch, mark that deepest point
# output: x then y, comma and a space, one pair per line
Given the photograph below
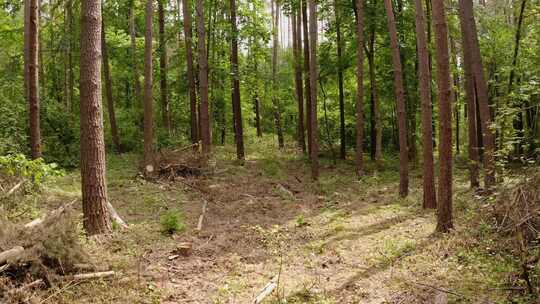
53, 214
266, 291
11, 254
91, 276
201, 218
115, 217
15, 188
31, 285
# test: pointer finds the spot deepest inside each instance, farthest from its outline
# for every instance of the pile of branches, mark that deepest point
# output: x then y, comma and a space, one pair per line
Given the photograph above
180, 163
42, 254
517, 217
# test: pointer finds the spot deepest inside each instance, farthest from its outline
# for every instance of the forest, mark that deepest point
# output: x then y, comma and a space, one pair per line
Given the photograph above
270, 151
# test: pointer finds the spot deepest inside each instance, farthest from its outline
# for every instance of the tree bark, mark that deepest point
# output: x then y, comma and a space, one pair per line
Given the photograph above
376, 126
236, 103
94, 187
359, 158
109, 92
32, 76
313, 76
400, 102
339, 46
135, 66
424, 79
275, 85
455, 93
188, 36
444, 210
488, 139
307, 89
165, 106
68, 70
297, 47
203, 80
148, 95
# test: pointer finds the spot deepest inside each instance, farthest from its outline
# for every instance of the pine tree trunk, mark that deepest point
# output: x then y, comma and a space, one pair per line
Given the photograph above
455, 93
359, 159
376, 125
444, 210
94, 187
32, 76
400, 102
236, 104
148, 95
109, 92
68, 56
343, 144
165, 106
299, 86
203, 80
135, 66
275, 85
424, 80
313, 78
188, 36
307, 89
488, 139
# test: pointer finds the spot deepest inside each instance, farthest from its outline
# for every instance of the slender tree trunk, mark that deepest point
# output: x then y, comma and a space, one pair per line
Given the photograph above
488, 140
307, 89
32, 76
135, 66
109, 92
343, 148
68, 70
359, 158
297, 47
471, 110
444, 210
275, 87
94, 187
376, 126
203, 80
148, 95
236, 104
188, 36
313, 76
165, 106
400, 102
424, 79
455, 94
256, 106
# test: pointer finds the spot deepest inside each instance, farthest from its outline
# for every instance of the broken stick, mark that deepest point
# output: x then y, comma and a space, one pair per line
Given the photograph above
266, 291
17, 186
53, 214
201, 218
93, 275
115, 217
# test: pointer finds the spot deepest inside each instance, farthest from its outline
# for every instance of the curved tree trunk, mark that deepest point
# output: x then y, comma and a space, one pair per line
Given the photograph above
188, 36
32, 76
424, 79
94, 187
236, 103
400, 102
313, 76
203, 80
444, 210
359, 87
165, 106
148, 95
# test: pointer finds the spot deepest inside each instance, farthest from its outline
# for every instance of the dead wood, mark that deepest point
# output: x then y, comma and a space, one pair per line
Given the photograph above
15, 188
266, 291
201, 217
115, 217
52, 215
11, 254
91, 276
31, 285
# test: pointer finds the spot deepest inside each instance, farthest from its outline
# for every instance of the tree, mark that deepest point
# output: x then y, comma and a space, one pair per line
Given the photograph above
148, 95
339, 46
307, 92
109, 92
444, 208
359, 87
94, 188
203, 80
313, 79
135, 65
275, 85
165, 106
297, 47
188, 36
32, 75
68, 69
400, 101
424, 79
236, 104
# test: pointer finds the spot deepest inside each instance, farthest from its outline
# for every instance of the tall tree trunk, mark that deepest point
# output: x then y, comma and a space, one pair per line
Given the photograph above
109, 92
488, 140
135, 66
313, 76
236, 104
275, 86
94, 187
376, 126
307, 89
256, 106
470, 96
165, 106
400, 102
203, 80
444, 212
32, 76
297, 47
68, 56
455, 93
424, 79
148, 95
359, 158
343, 148
188, 36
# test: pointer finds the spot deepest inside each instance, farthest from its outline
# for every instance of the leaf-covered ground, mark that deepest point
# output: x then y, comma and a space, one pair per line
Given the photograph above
340, 240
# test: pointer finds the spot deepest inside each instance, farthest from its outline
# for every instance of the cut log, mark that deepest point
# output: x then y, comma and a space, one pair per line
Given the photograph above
266, 291
201, 218
12, 254
184, 249
91, 276
53, 214
115, 217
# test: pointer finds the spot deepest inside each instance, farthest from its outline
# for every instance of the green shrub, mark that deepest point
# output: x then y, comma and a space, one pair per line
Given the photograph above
36, 171
172, 222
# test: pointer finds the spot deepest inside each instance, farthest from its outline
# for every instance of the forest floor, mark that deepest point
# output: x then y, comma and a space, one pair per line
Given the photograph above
336, 241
